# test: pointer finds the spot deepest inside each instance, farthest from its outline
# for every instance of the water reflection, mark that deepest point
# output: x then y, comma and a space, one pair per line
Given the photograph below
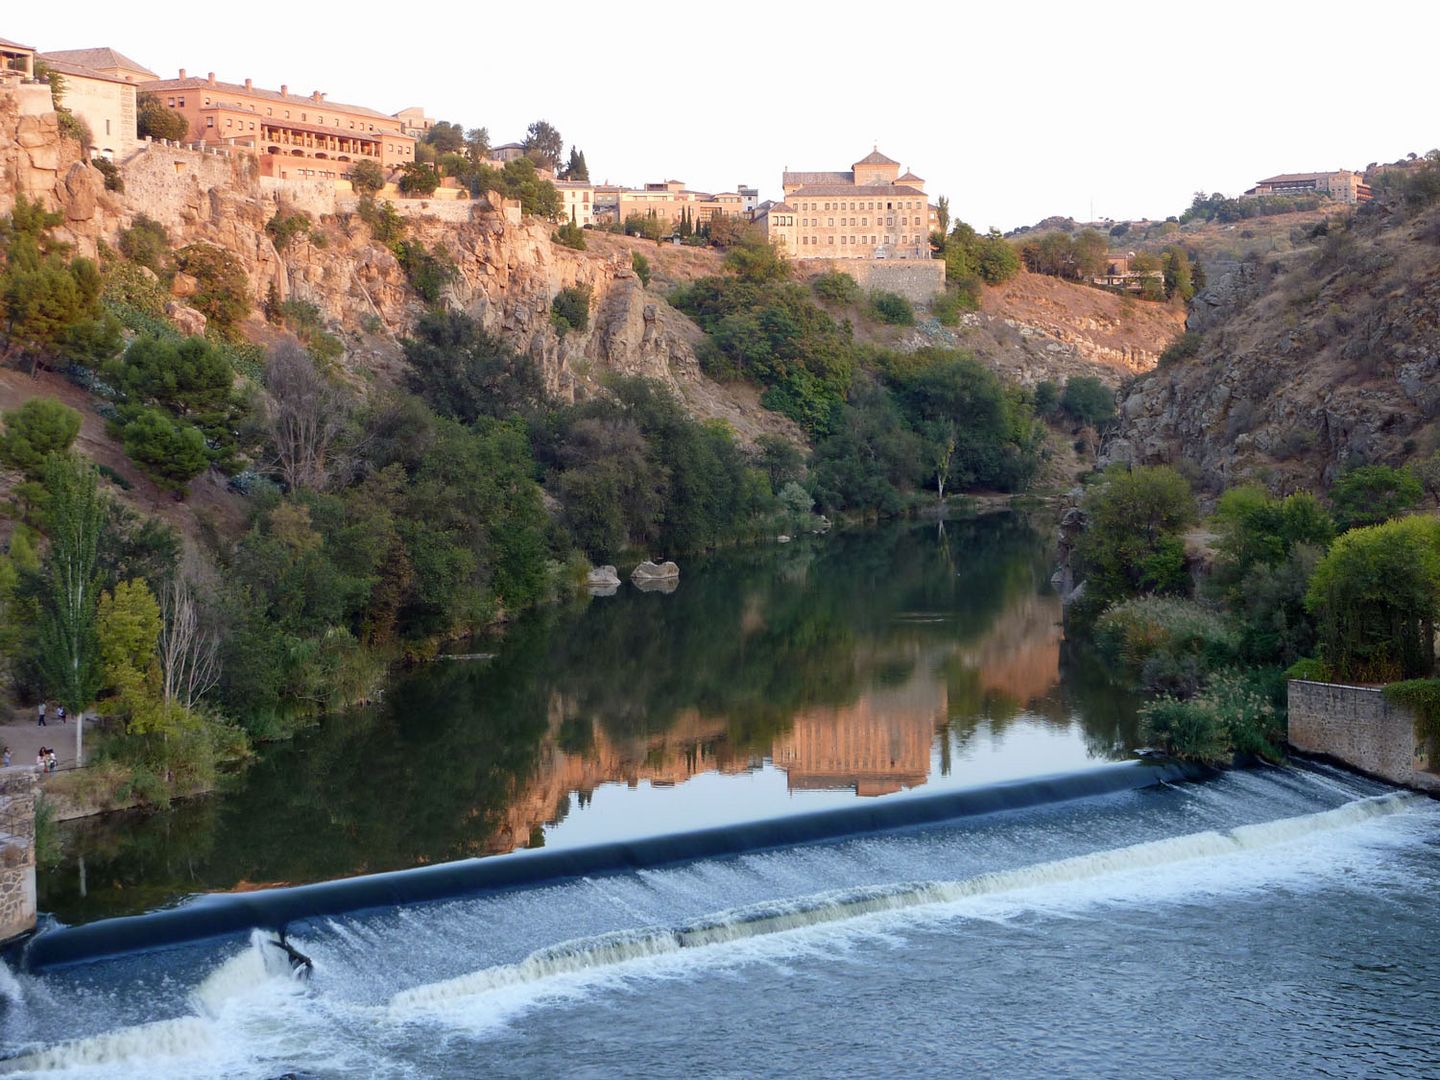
866, 663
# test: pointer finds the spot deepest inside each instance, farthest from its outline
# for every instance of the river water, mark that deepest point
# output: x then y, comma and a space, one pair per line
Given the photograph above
1276, 921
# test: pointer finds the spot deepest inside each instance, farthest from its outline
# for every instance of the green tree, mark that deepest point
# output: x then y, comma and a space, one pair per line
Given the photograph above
570, 310
366, 177
942, 214
576, 169
641, 265
154, 121
172, 453
461, 371
477, 144
1377, 597
446, 137
418, 179
836, 287
544, 144
69, 654
40, 427
1179, 278
1133, 543
1371, 494
569, 235
891, 308
1087, 400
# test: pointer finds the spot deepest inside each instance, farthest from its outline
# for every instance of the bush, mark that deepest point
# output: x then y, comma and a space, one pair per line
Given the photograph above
1088, 401
153, 120
171, 453
570, 235
1235, 714
384, 221
367, 177
641, 265
40, 427
418, 180
570, 310
1182, 348
1132, 544
1135, 630
1372, 494
836, 287
891, 308
223, 295
949, 305
113, 180
283, 228
428, 271
1422, 698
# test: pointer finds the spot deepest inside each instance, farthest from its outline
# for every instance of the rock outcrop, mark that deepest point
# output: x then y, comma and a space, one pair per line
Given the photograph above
1326, 358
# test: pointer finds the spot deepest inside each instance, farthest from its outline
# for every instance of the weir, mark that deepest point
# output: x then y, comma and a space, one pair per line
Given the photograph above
233, 914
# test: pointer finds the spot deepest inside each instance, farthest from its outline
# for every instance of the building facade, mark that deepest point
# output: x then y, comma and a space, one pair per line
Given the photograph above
671, 200
577, 201
1342, 185
414, 122
105, 102
868, 212
17, 58
104, 60
293, 137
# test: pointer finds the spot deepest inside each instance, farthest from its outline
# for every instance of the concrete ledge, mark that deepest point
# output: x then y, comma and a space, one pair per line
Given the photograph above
1356, 726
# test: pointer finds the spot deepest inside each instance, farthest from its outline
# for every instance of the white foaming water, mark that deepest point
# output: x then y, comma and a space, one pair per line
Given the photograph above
594, 955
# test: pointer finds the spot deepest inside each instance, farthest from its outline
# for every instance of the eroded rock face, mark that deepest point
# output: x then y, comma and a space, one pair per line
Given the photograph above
186, 319
1306, 366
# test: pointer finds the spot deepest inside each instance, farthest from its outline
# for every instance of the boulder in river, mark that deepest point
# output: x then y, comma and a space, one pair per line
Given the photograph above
649, 571
603, 577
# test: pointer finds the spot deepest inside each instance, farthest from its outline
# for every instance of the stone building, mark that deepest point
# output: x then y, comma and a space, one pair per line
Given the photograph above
103, 99
509, 151
293, 137
414, 122
670, 200
18, 58
1342, 185
870, 211
104, 60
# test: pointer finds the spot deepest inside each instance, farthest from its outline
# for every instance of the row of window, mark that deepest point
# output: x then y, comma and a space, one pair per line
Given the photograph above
814, 223
179, 102
903, 204
830, 240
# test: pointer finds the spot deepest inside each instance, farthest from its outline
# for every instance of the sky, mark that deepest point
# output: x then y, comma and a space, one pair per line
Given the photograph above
1015, 110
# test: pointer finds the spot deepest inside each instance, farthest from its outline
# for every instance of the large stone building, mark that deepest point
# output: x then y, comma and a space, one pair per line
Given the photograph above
1342, 185
670, 200
99, 87
17, 58
294, 137
870, 211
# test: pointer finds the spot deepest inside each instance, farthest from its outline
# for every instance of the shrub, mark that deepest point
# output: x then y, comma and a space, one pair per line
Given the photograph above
418, 179
1421, 697
1088, 401
891, 308
283, 228
1233, 715
145, 243
1132, 544
40, 427
172, 453
428, 271
1372, 494
367, 177
570, 310
384, 221
570, 235
641, 265
1134, 630
223, 294
153, 120
113, 180
1182, 348
950, 304
836, 287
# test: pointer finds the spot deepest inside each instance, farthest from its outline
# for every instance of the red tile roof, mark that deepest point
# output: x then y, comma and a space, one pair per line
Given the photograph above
162, 85
876, 158
843, 190
98, 58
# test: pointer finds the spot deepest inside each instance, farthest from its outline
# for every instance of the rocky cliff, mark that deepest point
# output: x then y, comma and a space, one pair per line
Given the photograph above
1305, 364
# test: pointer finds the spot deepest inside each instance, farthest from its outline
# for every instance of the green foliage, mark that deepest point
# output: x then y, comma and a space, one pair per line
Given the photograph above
223, 295
68, 648
570, 235
641, 265
950, 304
282, 228
1077, 258
366, 177
576, 168
1186, 346
1234, 714
153, 120
1087, 400
1177, 274
544, 145
40, 427
428, 271
836, 287
107, 168
1376, 595
971, 258
570, 309
1226, 211
1047, 398
145, 243
172, 453
418, 179
646, 226
757, 261
384, 221
1371, 494
518, 180
465, 373
891, 308
1133, 545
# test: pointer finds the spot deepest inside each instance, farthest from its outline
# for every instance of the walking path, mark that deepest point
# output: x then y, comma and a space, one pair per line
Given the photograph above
25, 737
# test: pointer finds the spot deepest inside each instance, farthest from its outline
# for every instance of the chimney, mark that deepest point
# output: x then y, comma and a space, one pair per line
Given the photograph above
182, 73
317, 96
210, 78
284, 89
249, 85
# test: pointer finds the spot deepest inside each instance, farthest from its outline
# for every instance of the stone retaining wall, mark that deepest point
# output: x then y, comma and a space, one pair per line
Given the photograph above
1357, 726
918, 280
17, 851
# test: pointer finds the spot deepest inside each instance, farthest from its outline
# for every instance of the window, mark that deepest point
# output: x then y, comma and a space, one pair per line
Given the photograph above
269, 111
831, 239
107, 127
170, 102
229, 122
207, 102
209, 121
832, 221
182, 102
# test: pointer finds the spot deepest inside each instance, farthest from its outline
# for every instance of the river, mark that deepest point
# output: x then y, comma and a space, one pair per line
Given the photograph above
1272, 920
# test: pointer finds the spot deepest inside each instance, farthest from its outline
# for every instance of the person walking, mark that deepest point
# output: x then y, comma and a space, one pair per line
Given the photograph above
40, 760
60, 712
41, 721
50, 759
6, 757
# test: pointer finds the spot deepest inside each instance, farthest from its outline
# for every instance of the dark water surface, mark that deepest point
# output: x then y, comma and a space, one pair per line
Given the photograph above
774, 680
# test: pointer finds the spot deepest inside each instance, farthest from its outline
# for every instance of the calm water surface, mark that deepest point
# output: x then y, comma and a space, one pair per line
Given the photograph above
873, 664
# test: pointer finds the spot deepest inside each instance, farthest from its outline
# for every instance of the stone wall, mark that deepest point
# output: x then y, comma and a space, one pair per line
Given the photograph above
918, 280
17, 851
1357, 726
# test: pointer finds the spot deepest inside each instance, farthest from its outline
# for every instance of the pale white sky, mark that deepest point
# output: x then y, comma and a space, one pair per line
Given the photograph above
1015, 110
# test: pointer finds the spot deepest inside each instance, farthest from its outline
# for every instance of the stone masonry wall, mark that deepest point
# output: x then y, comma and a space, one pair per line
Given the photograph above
918, 280
17, 851
1357, 726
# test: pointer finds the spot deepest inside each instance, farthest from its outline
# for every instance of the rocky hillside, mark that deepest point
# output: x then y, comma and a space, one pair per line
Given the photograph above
1303, 363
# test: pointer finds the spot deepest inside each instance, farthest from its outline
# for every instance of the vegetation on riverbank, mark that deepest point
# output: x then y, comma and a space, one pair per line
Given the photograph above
1292, 586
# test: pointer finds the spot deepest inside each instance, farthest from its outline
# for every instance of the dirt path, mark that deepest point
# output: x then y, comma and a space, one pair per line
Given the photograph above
24, 738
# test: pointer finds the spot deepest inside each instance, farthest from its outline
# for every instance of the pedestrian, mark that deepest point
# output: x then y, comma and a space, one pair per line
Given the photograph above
40, 760
60, 712
6, 757
50, 759
41, 722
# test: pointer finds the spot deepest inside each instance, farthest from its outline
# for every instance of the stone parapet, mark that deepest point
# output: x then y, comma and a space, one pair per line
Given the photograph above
1355, 725
17, 852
